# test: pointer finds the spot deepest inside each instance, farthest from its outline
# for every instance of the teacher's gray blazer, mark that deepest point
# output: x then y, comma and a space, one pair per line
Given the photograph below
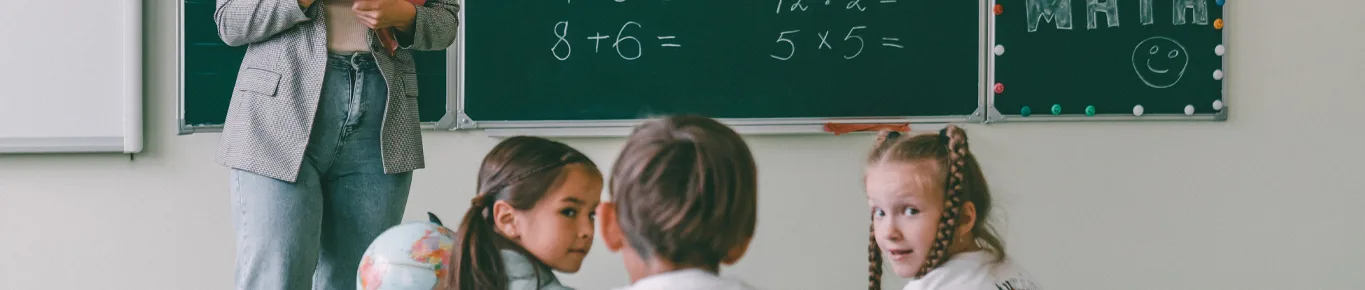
279, 83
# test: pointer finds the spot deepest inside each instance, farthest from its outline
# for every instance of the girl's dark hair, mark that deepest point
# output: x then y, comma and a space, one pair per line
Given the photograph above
519, 171
963, 182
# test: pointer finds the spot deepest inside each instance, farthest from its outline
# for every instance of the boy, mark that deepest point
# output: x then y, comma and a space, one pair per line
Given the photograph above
683, 201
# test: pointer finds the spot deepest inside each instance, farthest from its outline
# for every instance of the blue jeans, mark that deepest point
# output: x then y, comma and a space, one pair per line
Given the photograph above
310, 234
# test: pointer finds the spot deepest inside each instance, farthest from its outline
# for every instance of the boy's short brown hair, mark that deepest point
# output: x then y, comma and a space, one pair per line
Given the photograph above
686, 190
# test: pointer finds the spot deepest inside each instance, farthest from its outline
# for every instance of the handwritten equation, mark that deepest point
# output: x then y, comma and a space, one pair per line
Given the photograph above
563, 48
797, 5
629, 46
854, 37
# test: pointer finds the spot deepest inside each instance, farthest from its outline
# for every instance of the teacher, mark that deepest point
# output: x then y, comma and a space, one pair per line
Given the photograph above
322, 133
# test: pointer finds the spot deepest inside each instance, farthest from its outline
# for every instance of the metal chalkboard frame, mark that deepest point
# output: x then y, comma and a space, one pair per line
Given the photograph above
994, 116
747, 126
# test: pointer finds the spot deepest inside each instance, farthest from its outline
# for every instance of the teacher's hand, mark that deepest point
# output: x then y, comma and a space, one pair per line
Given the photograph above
386, 13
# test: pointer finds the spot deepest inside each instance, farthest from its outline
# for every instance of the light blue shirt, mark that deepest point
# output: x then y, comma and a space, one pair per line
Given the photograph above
522, 274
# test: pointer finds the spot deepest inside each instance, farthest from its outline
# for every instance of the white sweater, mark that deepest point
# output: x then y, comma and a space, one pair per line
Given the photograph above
687, 279
974, 271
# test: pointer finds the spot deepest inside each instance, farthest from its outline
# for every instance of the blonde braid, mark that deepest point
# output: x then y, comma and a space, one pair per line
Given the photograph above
874, 260
957, 152
885, 139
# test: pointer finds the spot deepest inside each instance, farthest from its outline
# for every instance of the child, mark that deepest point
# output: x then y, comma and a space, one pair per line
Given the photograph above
930, 214
684, 198
534, 213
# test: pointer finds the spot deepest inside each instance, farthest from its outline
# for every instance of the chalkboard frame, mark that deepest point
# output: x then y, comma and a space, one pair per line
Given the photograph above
994, 116
747, 126
183, 128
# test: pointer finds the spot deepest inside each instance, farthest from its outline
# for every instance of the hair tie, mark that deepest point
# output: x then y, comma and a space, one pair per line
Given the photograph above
943, 135
478, 201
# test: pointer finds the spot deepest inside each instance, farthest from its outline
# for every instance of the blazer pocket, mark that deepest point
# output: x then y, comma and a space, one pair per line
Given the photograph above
410, 84
258, 81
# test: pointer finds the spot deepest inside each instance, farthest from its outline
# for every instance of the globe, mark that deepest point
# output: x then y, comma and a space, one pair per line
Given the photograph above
409, 256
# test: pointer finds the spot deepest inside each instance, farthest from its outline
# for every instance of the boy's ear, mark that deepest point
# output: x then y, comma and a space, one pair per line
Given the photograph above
738, 252
611, 229
504, 220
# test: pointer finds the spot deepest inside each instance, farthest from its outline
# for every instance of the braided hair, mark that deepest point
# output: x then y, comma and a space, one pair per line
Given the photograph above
963, 182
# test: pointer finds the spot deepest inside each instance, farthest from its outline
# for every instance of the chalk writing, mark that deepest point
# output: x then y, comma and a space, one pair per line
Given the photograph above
1160, 61
561, 30
1110, 8
782, 37
623, 41
1200, 7
1146, 12
891, 42
1059, 13
1056, 11
861, 44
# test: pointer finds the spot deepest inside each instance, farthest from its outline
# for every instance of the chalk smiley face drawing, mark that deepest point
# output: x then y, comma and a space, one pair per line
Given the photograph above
1160, 61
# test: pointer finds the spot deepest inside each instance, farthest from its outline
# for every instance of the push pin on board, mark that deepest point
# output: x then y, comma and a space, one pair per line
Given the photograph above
1220, 2
1218, 24
1056, 109
1137, 110
1025, 111
1219, 50
1189, 110
999, 88
1217, 105
999, 9
1218, 74
1090, 110
999, 49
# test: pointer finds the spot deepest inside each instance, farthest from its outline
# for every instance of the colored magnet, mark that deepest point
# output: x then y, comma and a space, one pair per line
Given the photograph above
999, 49
999, 88
1217, 105
1220, 2
1025, 111
1219, 50
1189, 110
1218, 74
1137, 110
1218, 23
999, 9
1056, 109
1090, 110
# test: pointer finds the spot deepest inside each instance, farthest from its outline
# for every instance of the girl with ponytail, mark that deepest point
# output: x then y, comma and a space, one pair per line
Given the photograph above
534, 213
930, 210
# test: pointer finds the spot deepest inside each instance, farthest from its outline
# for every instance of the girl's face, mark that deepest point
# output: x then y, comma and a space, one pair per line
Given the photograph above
558, 230
906, 201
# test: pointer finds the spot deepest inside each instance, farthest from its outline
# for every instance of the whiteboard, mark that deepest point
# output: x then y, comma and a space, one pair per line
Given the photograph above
71, 76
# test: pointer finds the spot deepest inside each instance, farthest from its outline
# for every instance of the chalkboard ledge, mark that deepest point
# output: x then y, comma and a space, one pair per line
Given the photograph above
622, 128
1220, 116
186, 129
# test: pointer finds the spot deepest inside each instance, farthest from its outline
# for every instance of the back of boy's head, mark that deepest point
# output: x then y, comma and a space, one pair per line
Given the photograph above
520, 171
963, 182
686, 190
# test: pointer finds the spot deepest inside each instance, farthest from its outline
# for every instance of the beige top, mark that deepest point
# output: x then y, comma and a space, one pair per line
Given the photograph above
345, 32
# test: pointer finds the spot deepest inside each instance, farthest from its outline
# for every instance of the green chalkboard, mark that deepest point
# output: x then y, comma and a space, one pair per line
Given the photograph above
1110, 55
577, 60
210, 69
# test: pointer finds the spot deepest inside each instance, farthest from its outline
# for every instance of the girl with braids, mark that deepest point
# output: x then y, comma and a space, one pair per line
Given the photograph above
534, 213
930, 209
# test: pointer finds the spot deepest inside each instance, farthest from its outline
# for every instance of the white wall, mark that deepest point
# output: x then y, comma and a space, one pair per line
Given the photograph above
1269, 199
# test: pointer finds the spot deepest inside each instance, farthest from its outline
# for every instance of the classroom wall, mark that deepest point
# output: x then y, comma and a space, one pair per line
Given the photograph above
1270, 199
